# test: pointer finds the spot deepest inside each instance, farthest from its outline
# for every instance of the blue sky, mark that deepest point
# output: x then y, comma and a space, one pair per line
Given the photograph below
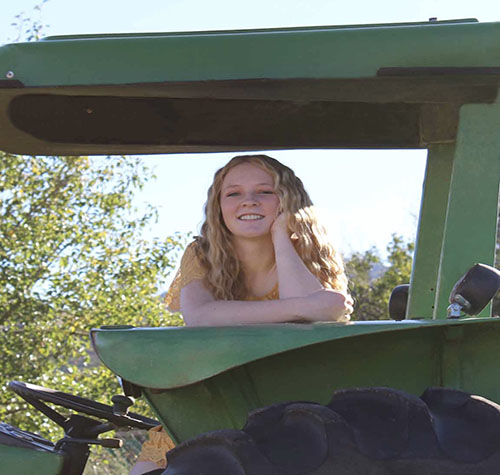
365, 196
94, 16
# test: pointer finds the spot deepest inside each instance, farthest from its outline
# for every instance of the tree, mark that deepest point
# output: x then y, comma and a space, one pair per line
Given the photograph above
46, 310
372, 283
71, 258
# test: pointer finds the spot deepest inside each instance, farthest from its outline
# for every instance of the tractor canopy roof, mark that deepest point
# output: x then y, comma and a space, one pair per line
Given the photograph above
359, 86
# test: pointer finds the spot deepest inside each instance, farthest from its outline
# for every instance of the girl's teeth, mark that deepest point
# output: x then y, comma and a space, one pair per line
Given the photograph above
251, 216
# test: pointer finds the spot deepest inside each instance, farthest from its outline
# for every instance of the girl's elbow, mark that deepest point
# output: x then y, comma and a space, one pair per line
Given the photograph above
196, 316
191, 319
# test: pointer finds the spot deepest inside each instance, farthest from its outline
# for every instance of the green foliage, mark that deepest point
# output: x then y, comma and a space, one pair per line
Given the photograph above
116, 462
29, 27
71, 259
370, 291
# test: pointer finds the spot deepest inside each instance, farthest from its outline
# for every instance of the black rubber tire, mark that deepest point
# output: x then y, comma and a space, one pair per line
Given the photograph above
375, 431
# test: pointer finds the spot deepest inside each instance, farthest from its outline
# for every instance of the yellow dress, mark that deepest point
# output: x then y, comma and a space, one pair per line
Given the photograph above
192, 269
159, 443
156, 447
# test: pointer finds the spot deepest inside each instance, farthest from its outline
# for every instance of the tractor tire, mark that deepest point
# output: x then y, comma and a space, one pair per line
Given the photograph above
372, 431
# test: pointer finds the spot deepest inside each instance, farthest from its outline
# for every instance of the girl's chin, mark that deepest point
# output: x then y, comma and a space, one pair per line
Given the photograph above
251, 229
239, 234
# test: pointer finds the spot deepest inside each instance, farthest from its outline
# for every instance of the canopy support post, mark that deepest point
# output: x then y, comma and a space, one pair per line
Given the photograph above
430, 231
471, 219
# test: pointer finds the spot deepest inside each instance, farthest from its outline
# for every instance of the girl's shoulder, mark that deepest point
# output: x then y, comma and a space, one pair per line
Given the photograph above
191, 252
191, 265
190, 269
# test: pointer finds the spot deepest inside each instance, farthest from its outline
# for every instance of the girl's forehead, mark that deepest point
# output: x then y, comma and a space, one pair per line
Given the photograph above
247, 173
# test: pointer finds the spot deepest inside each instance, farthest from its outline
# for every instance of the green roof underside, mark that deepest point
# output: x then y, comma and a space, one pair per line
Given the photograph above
369, 86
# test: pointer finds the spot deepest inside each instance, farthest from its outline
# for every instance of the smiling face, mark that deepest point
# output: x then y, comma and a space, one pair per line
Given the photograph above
248, 201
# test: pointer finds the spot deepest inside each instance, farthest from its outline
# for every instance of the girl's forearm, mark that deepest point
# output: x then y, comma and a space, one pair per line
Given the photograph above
294, 278
200, 309
238, 312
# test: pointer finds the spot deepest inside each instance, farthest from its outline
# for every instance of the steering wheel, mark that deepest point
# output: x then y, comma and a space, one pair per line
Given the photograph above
38, 395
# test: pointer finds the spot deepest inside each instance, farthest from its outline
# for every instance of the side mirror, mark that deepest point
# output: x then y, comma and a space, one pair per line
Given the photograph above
474, 290
398, 301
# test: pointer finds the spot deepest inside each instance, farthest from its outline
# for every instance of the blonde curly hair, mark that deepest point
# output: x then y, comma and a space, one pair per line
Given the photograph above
224, 276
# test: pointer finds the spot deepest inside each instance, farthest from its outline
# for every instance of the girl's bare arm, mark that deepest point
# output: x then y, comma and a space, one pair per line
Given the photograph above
294, 278
199, 308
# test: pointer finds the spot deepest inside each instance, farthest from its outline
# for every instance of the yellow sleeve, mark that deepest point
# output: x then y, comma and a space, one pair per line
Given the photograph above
189, 270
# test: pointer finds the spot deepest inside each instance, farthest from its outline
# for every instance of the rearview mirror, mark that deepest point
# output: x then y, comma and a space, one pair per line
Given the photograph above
474, 290
398, 302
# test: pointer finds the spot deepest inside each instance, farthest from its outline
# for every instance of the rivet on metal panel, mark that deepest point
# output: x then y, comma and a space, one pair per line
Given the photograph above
9, 74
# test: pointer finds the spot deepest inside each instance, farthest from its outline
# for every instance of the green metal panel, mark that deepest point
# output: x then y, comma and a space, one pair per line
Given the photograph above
321, 52
460, 354
471, 219
180, 356
24, 461
304, 374
421, 301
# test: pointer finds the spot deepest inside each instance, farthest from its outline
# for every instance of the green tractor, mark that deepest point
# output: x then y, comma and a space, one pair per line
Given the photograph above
414, 394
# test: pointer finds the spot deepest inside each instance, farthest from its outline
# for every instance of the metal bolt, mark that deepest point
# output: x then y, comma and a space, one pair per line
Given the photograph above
9, 75
454, 310
465, 304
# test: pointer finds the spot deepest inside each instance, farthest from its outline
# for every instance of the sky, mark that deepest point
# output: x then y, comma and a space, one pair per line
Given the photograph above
364, 196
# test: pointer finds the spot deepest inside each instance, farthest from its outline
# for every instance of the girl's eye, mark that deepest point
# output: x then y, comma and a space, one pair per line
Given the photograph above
234, 193
267, 192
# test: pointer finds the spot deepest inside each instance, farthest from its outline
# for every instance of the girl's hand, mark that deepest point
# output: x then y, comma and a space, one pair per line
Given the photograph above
328, 305
280, 225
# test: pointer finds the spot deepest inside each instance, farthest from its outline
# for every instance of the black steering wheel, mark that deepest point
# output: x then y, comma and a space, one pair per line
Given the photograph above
38, 395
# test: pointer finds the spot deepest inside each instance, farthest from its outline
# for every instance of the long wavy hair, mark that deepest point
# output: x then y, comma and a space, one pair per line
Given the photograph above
224, 277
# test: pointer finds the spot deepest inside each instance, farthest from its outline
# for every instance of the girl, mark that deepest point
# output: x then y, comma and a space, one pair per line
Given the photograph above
262, 257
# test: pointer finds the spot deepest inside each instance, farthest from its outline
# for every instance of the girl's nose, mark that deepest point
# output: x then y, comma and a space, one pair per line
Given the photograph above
250, 199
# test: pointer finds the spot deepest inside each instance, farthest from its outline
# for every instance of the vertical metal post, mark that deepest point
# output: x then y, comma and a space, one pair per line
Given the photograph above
471, 220
430, 231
